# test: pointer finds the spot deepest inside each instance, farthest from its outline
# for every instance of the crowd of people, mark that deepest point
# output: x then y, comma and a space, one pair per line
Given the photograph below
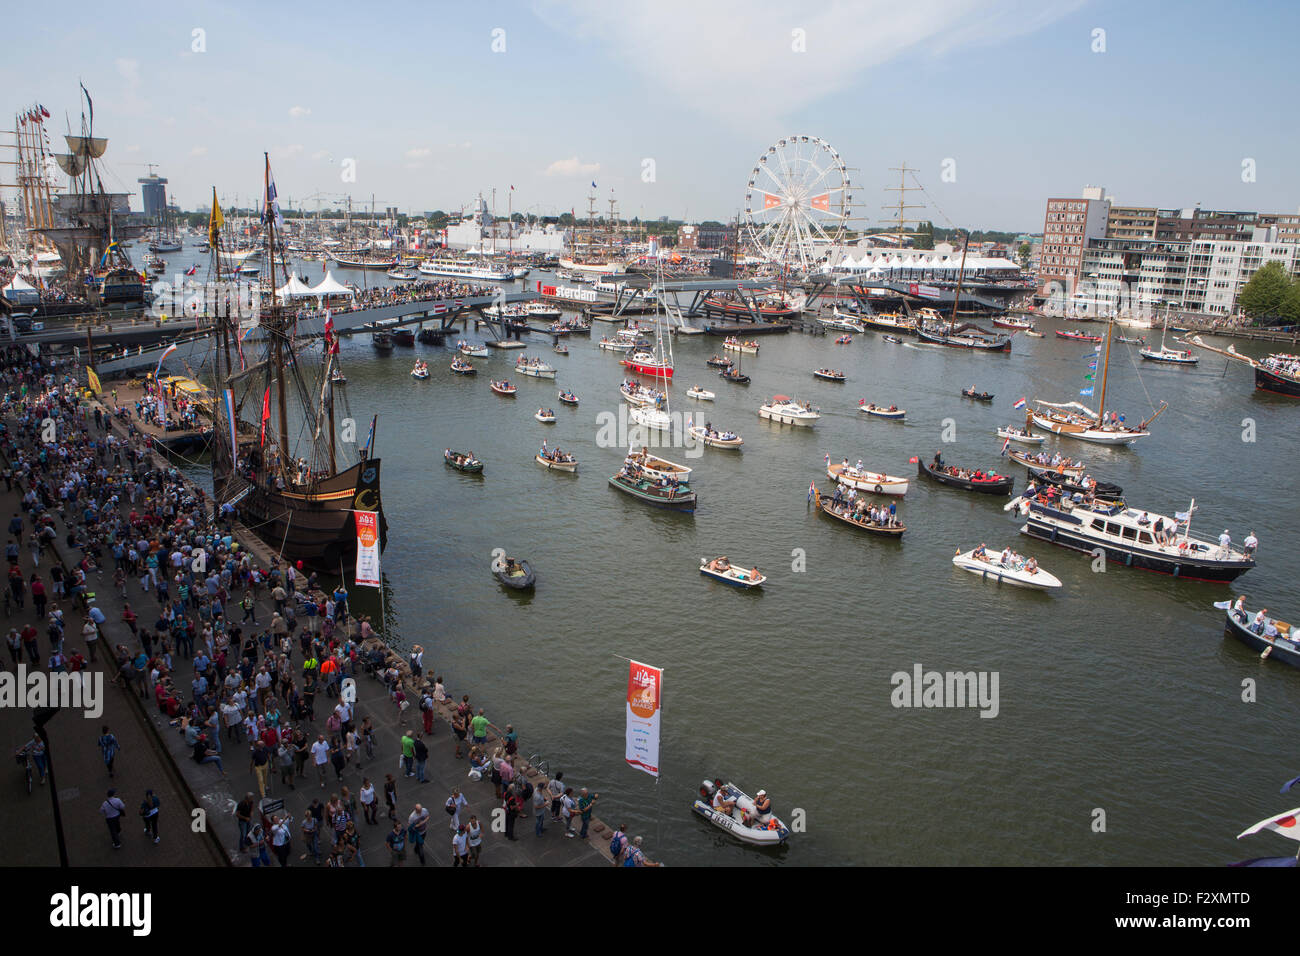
229, 678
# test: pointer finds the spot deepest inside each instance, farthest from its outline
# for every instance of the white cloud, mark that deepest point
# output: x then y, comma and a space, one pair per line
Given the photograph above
422, 152
572, 167
199, 151
133, 149
299, 111
686, 49
128, 69
287, 151
322, 154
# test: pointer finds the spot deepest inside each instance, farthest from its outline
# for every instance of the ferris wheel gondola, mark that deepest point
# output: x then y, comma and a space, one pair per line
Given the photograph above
797, 202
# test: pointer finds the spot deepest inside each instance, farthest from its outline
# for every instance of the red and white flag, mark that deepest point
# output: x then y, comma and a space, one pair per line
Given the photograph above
1284, 823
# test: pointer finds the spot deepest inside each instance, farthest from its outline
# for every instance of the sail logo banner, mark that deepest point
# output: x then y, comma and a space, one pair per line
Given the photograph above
644, 690
367, 573
822, 202
770, 201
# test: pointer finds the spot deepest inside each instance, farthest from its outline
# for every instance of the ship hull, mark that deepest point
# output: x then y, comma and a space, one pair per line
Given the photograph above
317, 528
1268, 382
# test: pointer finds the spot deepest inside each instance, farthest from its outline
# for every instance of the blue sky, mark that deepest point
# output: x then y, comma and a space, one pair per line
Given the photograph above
1011, 91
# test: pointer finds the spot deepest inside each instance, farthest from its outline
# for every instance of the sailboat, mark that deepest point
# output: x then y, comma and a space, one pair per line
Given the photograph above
968, 335
301, 501
1073, 420
1168, 356
659, 365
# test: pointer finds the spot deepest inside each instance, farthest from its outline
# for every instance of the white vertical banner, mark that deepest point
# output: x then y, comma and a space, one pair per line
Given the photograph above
367, 548
644, 696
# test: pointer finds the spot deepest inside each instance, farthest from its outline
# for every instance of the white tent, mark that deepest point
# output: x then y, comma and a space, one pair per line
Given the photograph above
330, 286
295, 288
20, 290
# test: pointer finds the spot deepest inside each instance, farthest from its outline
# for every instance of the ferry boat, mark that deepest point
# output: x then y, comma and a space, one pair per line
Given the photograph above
1023, 573
865, 480
465, 269
785, 411
1127, 536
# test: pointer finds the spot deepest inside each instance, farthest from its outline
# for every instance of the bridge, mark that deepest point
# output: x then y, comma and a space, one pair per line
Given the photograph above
196, 344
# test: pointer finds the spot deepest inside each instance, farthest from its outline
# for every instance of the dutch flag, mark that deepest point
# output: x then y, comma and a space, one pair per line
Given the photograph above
812, 490
1019, 404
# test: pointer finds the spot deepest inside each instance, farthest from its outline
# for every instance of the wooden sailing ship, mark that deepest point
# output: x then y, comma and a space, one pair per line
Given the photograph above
302, 504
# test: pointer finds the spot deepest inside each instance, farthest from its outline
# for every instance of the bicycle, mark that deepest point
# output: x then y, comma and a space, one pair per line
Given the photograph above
538, 763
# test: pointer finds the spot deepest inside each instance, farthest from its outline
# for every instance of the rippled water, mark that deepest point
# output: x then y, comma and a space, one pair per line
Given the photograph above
1119, 693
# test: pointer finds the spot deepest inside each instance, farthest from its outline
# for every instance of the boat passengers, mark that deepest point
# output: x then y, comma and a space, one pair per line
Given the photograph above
1261, 620
720, 794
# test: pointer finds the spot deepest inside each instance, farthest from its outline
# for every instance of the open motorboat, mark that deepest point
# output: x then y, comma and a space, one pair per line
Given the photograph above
661, 493
534, 368
654, 417
556, 460
615, 345
463, 462
844, 340
421, 370
1007, 567
734, 375
337, 377
786, 411
1053, 464
710, 436
503, 388
860, 513
735, 813
461, 367
880, 411
721, 569
514, 574
717, 361
1020, 435
654, 467
1075, 335
733, 344
976, 479
561, 350
829, 374
977, 396
545, 415
472, 351
842, 322
636, 394
894, 339
702, 394
1269, 636
1085, 486
568, 398
855, 476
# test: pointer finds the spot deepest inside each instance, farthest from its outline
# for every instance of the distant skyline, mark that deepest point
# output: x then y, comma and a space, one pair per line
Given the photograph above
998, 104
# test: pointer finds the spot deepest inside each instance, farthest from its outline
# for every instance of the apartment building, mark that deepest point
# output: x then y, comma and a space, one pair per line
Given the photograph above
1068, 227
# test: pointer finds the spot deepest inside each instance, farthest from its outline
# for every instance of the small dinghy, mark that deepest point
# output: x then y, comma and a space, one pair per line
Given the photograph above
892, 338
568, 398
503, 388
844, 340
977, 396
463, 462
1006, 566
1271, 637
473, 351
420, 371
880, 411
718, 361
611, 346
461, 367
535, 368
1032, 333
338, 378
556, 460
728, 807
702, 394
515, 574
733, 344
545, 415
1020, 435
561, 350
720, 569
829, 374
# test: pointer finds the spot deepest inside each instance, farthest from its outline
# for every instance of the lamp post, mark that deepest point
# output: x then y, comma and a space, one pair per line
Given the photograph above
39, 719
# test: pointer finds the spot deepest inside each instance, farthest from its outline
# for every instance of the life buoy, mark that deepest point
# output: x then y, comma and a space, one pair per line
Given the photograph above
878, 489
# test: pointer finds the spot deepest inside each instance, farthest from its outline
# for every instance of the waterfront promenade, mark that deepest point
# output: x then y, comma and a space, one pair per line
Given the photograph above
155, 754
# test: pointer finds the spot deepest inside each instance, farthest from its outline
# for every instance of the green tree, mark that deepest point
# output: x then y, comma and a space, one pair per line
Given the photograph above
1263, 296
924, 238
1023, 254
1291, 304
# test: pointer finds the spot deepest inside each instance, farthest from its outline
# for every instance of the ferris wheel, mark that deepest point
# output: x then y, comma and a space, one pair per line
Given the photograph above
797, 201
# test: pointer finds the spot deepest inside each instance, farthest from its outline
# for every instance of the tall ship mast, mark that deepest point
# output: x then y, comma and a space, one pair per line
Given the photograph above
297, 495
587, 260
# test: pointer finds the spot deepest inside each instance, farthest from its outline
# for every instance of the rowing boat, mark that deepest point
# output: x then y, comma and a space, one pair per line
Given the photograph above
720, 569
462, 462
987, 484
879, 411
842, 512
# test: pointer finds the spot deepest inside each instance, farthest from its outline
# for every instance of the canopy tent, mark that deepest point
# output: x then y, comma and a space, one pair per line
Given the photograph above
295, 288
21, 291
330, 286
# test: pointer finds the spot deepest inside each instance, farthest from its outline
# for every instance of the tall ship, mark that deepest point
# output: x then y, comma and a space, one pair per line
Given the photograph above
297, 497
595, 256
1278, 373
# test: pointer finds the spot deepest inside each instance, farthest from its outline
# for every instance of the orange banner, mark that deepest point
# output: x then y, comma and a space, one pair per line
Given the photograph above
769, 200
644, 687
822, 202
367, 573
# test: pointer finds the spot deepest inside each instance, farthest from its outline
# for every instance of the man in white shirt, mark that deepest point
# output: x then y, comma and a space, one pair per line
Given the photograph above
1225, 543
280, 835
1251, 544
113, 808
320, 752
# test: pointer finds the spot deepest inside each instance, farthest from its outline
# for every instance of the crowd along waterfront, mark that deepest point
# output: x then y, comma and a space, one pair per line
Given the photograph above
1115, 691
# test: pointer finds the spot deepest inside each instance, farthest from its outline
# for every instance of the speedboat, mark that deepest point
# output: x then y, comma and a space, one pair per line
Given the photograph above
1022, 573
742, 819
473, 351
568, 398
892, 338
786, 411
720, 569
829, 374
703, 394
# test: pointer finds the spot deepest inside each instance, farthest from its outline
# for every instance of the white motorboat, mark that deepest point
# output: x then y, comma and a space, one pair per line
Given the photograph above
880, 411
612, 346
738, 816
401, 275
720, 569
546, 416
703, 394
864, 480
1022, 573
842, 322
636, 394
1020, 436
735, 345
715, 438
785, 411
534, 368
473, 351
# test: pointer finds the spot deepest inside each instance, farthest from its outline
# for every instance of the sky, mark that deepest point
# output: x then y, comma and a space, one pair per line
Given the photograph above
998, 104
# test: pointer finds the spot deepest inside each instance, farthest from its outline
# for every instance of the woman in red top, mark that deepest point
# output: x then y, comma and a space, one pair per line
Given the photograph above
38, 594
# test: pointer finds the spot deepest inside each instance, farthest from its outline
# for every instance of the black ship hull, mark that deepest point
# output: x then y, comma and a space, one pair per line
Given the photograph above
1269, 382
1135, 557
316, 527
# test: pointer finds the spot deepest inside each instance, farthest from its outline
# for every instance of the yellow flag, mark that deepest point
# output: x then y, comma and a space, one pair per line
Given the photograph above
93, 379
215, 221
